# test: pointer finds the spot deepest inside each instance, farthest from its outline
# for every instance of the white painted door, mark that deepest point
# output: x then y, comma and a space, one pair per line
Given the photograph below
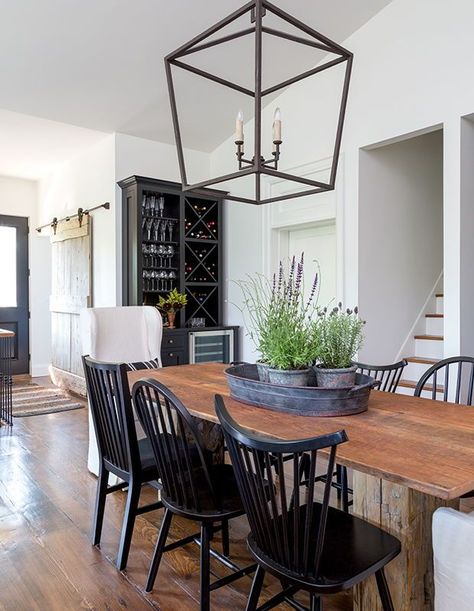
318, 243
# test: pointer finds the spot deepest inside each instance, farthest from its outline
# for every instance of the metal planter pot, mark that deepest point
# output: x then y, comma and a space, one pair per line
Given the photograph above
286, 377
263, 369
335, 378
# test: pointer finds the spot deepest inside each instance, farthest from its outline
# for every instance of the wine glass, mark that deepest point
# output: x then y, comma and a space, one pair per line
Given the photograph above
149, 225
156, 227
163, 231
169, 254
171, 229
161, 253
172, 277
163, 276
161, 204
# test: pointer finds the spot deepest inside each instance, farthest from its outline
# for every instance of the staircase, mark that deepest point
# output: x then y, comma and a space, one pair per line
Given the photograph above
429, 349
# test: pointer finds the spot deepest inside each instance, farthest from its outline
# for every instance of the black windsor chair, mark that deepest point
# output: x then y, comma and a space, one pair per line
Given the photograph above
306, 544
120, 452
453, 378
192, 487
387, 378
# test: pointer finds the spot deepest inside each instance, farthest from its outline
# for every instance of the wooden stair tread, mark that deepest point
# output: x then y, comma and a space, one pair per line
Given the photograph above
411, 384
422, 360
439, 294
434, 315
437, 338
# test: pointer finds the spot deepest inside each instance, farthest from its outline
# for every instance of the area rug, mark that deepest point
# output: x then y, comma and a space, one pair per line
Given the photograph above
33, 400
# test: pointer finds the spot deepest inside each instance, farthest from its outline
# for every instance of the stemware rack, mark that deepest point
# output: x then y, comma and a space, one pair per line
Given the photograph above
172, 239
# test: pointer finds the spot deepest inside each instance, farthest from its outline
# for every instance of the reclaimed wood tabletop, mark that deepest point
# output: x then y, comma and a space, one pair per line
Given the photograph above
419, 443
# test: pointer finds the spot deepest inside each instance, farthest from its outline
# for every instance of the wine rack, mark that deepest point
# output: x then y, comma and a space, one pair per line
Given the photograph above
201, 253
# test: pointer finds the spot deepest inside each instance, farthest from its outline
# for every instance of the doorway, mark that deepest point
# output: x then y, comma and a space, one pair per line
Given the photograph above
400, 239
14, 294
319, 245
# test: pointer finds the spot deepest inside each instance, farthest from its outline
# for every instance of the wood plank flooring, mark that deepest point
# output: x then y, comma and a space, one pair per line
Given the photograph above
46, 560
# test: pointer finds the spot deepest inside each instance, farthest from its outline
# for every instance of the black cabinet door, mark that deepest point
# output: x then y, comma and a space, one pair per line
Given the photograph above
14, 299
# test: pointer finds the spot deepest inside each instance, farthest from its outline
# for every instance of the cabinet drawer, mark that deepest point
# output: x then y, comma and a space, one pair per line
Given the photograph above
170, 357
173, 341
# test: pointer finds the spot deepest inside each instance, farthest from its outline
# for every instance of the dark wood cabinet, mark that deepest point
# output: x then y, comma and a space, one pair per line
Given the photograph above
173, 239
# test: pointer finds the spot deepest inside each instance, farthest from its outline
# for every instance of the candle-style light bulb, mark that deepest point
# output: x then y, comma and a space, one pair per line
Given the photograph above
277, 125
239, 127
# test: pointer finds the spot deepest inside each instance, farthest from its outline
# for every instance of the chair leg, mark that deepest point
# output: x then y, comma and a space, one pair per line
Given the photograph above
255, 590
225, 538
316, 603
205, 573
101, 495
339, 481
345, 489
159, 547
384, 592
133, 497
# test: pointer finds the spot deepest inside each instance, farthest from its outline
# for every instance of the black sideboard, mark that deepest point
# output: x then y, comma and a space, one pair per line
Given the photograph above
200, 345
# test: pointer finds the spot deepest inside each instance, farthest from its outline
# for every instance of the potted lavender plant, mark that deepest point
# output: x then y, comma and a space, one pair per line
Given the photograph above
341, 336
281, 324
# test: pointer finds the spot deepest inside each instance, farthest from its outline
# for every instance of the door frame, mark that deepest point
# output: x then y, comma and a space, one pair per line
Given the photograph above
21, 223
303, 213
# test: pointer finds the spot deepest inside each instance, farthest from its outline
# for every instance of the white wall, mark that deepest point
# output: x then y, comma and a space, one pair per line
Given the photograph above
85, 181
466, 284
400, 239
412, 71
20, 198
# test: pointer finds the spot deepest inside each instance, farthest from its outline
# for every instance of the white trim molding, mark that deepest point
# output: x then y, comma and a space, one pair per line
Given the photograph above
300, 213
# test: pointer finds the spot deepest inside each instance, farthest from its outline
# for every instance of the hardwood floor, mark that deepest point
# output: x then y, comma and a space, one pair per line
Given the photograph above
46, 560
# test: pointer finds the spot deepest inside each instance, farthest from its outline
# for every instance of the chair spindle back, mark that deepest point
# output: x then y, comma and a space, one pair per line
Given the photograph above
177, 446
388, 375
453, 378
286, 520
112, 413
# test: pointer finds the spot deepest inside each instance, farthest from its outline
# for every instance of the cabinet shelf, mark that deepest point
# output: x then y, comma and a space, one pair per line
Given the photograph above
202, 240
159, 267
166, 242
159, 218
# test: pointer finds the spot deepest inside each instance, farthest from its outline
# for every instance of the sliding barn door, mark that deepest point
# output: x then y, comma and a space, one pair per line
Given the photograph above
71, 291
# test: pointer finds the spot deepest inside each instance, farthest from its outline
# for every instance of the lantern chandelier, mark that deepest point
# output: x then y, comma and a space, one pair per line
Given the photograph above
256, 164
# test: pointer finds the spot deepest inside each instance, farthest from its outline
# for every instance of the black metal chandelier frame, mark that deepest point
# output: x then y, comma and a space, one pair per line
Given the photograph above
258, 165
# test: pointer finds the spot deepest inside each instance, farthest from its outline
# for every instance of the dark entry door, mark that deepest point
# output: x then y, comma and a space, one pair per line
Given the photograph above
14, 309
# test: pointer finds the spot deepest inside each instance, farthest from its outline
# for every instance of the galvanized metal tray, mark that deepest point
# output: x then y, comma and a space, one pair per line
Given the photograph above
299, 400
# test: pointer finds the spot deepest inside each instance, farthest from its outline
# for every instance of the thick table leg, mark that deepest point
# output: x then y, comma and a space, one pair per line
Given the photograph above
406, 514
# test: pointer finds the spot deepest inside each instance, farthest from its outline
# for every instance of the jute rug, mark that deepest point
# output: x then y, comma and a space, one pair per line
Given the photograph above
33, 400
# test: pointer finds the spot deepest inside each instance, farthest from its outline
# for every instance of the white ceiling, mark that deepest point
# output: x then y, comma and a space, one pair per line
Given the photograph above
31, 147
98, 64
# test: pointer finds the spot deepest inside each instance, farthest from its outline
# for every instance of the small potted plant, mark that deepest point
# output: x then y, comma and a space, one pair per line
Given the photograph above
281, 324
341, 336
170, 304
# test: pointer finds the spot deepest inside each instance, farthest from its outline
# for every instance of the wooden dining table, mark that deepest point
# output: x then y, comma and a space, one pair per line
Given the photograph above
409, 456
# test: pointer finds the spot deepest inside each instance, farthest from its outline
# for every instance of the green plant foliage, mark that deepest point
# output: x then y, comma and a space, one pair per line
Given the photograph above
340, 335
280, 319
172, 302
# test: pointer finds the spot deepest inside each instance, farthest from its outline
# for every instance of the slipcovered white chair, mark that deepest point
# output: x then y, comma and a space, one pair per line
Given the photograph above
453, 550
119, 335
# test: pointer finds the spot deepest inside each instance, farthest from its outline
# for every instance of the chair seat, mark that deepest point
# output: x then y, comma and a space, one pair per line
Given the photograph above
353, 550
229, 504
